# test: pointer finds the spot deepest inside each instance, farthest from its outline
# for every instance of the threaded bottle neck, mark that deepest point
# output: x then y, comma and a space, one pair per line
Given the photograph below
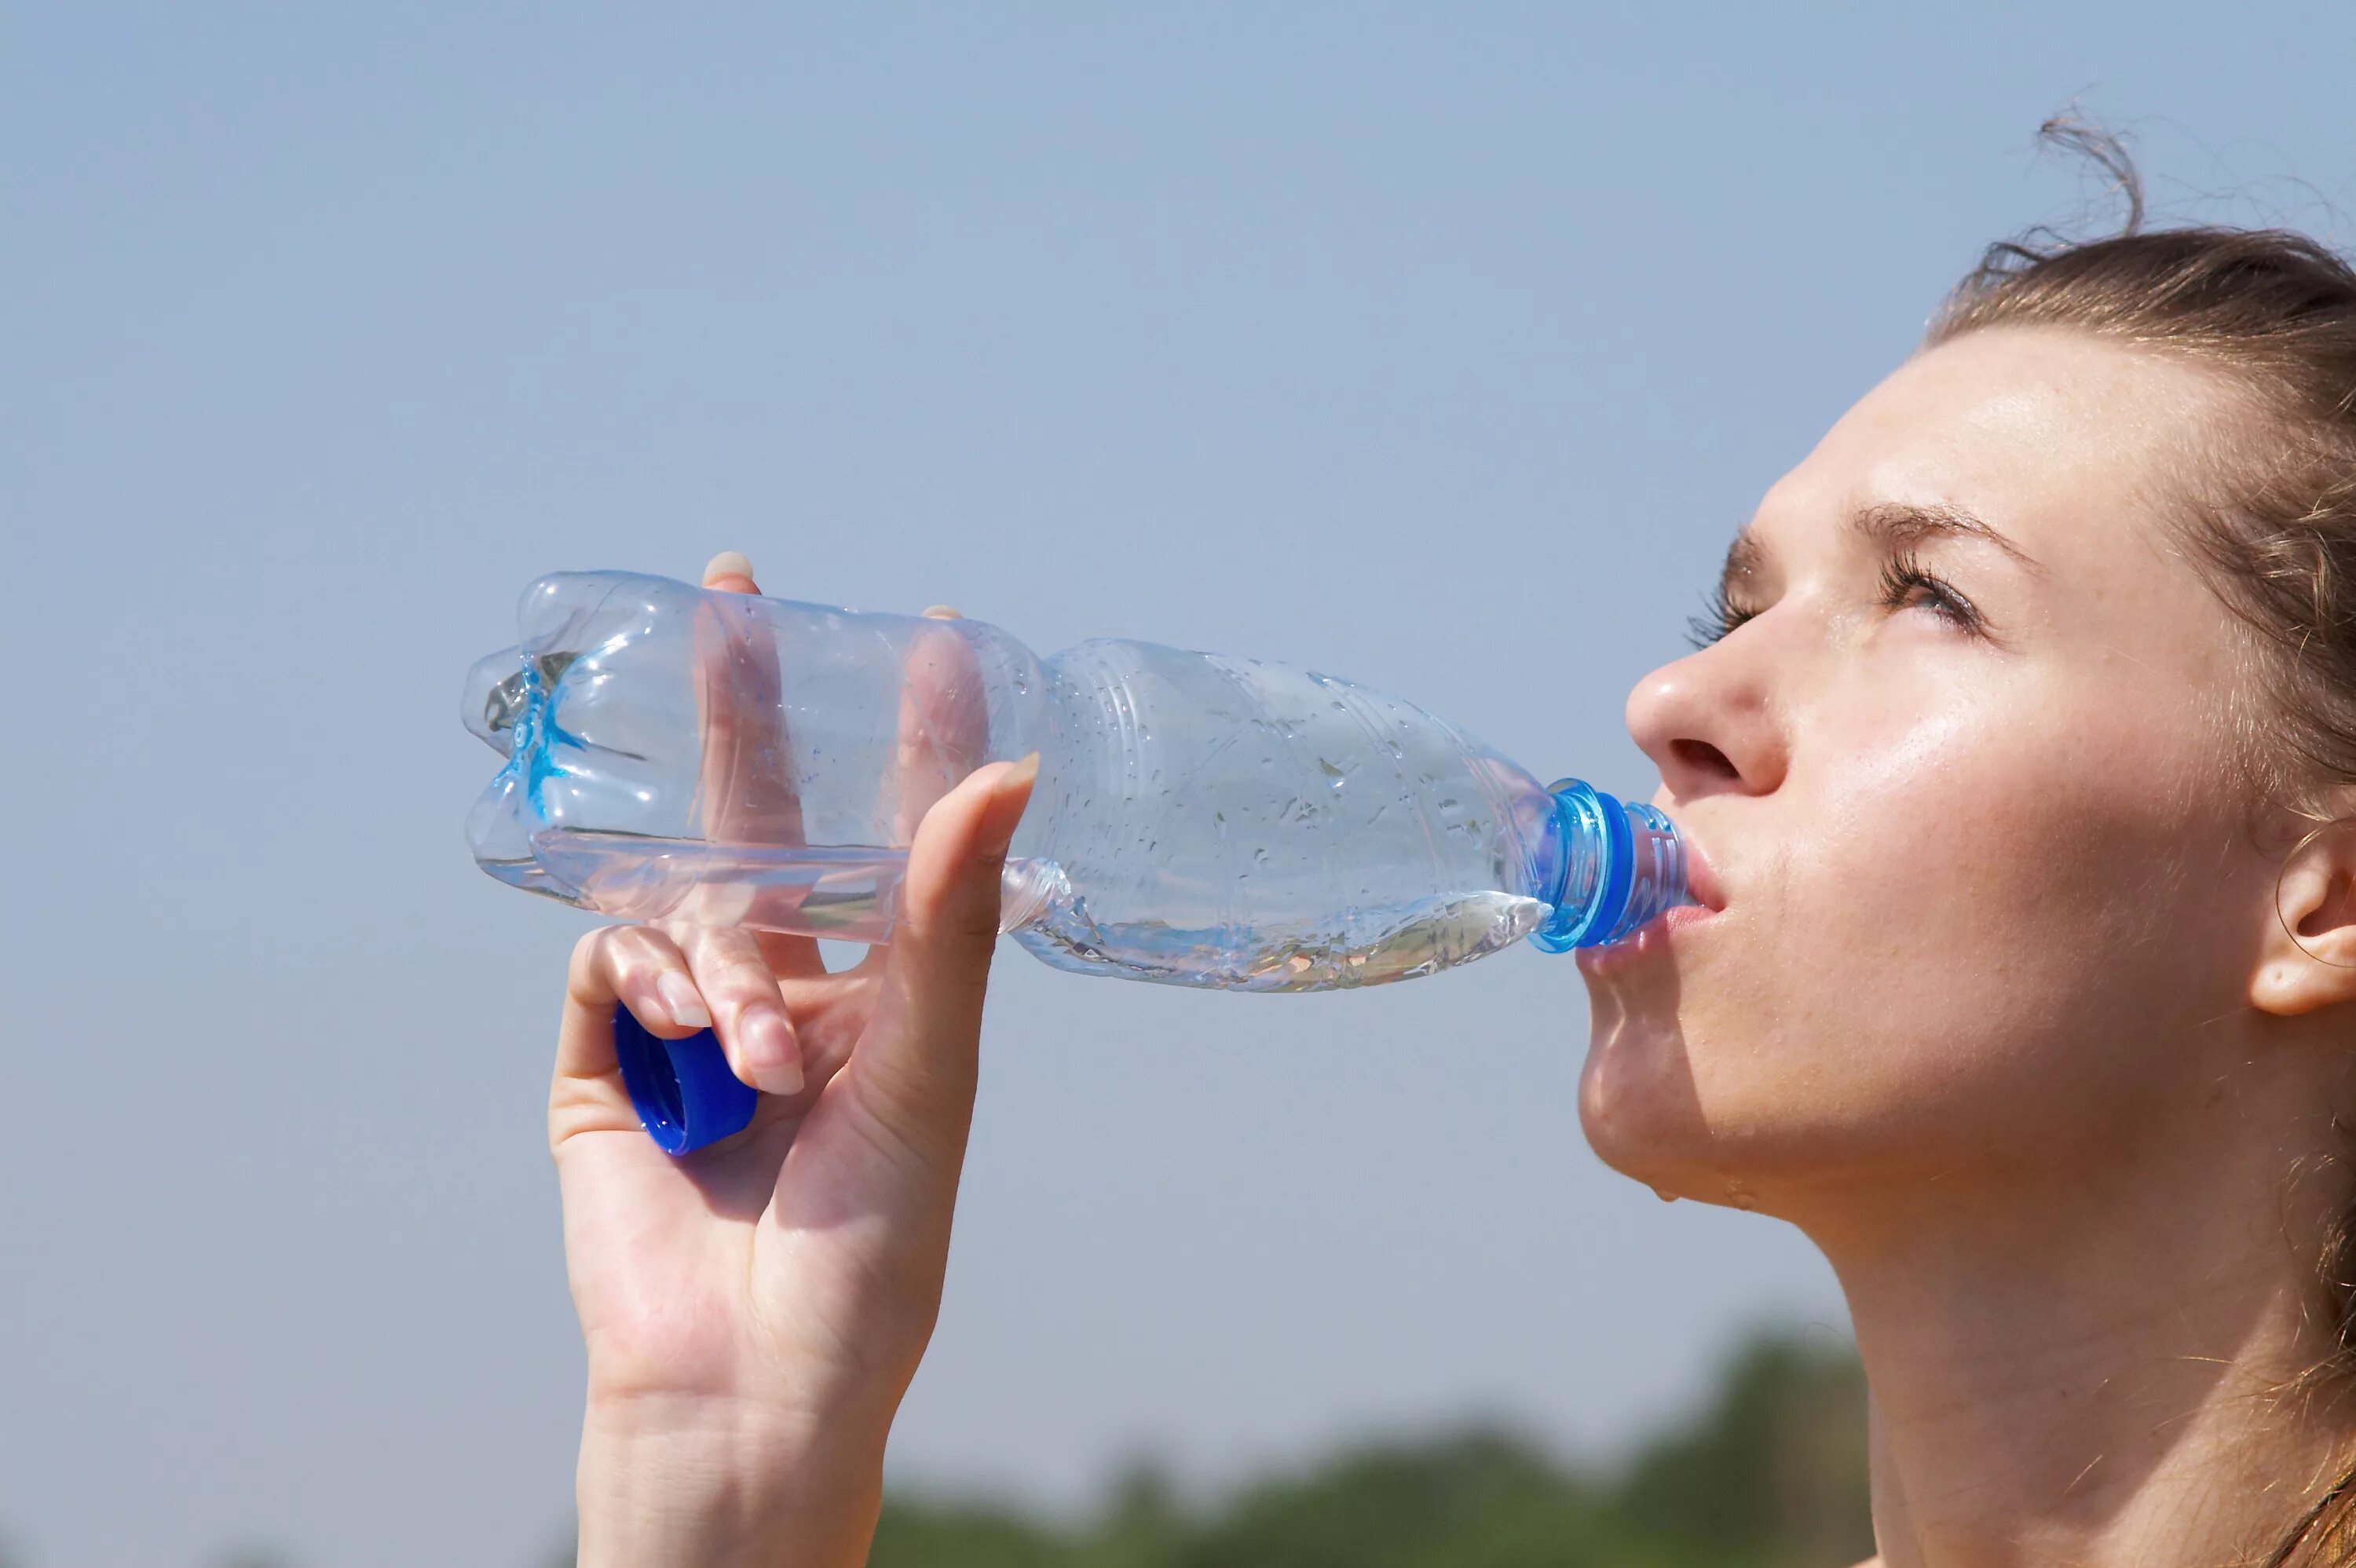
1609, 866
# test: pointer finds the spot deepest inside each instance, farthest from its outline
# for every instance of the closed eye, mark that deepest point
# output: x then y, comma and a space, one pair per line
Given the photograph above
1903, 578
1720, 615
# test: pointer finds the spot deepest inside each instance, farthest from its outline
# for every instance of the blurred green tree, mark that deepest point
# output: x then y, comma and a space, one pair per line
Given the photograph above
918, 1532
1775, 1471
1476, 1498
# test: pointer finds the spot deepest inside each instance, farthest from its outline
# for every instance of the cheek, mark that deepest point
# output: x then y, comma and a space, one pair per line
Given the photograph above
1951, 933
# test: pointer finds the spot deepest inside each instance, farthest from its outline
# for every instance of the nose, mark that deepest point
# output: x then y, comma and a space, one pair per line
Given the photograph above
1710, 725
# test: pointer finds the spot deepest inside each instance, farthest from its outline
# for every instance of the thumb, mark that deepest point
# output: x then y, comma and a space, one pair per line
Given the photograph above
937, 967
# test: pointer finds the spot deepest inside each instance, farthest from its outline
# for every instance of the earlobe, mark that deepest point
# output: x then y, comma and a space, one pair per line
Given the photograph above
2307, 959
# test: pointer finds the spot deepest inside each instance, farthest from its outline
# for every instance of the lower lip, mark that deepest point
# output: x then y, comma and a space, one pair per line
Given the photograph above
1679, 916
1647, 939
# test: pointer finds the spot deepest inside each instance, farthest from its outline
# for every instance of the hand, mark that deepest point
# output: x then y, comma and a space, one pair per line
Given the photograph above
754, 1310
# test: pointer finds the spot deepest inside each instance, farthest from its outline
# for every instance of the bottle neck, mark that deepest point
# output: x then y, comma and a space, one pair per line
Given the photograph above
1609, 866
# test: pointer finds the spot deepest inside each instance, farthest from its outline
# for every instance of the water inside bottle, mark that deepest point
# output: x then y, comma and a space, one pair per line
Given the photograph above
1365, 947
848, 893
843, 893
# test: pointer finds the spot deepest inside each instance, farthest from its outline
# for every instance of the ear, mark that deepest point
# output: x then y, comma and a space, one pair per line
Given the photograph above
2308, 957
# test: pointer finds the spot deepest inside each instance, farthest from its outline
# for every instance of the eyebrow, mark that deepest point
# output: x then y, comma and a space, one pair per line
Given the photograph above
1885, 528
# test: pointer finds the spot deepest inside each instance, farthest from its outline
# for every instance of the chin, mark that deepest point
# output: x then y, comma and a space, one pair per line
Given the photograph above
1638, 1106
1642, 1110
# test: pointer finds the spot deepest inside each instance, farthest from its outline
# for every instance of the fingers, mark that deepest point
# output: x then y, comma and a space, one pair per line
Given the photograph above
944, 721
746, 781
628, 964
702, 979
729, 573
623, 963
746, 786
724, 969
924, 1054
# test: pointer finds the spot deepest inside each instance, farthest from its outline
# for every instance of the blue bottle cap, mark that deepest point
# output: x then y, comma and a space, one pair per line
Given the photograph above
681, 1089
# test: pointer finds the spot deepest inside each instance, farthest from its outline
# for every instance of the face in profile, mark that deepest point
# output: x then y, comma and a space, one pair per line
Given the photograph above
1966, 768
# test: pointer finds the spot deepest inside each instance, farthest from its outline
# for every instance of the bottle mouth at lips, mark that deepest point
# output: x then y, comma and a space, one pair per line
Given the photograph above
1609, 866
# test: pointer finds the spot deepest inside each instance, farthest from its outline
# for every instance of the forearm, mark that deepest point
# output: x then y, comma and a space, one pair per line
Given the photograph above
742, 1494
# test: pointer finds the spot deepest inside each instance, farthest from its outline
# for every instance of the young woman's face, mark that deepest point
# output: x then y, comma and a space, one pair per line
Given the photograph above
1962, 772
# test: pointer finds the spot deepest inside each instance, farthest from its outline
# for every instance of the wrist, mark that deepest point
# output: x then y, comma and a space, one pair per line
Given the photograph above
715, 1484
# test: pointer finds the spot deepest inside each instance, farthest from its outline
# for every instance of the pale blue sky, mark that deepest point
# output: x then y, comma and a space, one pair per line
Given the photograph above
1443, 347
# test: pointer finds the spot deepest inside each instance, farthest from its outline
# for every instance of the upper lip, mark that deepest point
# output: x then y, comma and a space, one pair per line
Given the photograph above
1701, 877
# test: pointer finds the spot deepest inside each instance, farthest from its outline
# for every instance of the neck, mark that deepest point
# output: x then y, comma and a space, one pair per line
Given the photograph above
2093, 1369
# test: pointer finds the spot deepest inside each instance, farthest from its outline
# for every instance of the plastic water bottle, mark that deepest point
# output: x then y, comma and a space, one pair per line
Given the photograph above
676, 753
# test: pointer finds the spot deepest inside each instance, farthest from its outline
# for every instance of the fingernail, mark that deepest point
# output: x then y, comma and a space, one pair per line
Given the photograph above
1022, 776
727, 563
943, 613
679, 995
767, 1041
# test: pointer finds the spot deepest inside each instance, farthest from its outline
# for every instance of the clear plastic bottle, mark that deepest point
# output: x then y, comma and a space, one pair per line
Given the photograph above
674, 753
678, 753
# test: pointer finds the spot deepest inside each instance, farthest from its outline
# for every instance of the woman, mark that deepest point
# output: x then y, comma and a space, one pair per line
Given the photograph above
2013, 764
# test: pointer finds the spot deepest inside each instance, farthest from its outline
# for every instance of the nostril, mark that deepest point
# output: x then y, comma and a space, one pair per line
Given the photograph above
1705, 757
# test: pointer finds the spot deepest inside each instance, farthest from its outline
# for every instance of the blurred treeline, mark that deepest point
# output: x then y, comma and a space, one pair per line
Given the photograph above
1769, 1473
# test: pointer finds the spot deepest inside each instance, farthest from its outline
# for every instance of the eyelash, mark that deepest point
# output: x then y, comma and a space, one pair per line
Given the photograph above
1900, 576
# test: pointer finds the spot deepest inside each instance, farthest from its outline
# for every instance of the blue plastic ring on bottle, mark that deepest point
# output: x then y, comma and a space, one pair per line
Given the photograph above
1619, 872
681, 1089
1590, 821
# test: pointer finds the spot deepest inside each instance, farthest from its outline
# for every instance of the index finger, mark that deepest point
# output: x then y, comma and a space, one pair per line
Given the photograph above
944, 721
746, 780
747, 794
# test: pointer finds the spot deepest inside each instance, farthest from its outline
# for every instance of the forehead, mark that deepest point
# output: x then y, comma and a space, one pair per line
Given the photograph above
2072, 446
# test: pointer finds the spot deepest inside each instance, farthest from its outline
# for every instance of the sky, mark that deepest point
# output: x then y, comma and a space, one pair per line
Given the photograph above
1442, 347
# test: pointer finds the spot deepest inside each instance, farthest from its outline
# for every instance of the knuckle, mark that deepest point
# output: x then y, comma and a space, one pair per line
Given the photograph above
591, 960
736, 976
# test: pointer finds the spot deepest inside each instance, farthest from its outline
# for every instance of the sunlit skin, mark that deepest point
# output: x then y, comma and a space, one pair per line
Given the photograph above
2003, 1006
2013, 992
